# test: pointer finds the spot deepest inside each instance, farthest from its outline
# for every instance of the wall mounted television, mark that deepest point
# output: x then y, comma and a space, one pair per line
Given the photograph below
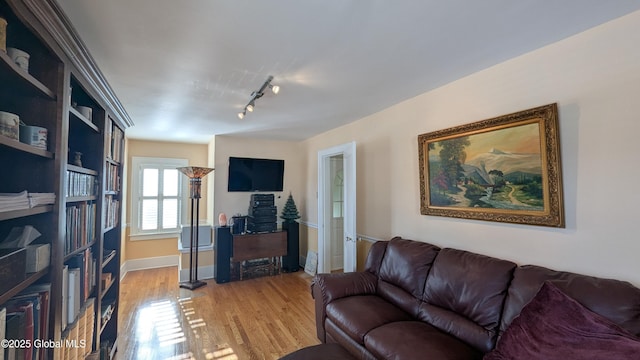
251, 174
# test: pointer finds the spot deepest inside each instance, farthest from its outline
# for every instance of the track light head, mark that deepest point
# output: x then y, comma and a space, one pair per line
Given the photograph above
241, 115
249, 107
275, 89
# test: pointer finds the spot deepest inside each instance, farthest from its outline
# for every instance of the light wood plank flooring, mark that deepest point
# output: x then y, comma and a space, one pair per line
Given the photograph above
262, 318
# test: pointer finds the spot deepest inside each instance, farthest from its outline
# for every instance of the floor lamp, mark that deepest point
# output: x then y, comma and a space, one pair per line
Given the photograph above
195, 175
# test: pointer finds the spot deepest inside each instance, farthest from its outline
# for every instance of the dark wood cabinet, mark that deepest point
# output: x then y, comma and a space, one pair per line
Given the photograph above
83, 226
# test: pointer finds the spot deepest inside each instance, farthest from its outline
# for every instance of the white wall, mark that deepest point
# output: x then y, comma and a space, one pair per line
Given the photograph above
232, 203
595, 79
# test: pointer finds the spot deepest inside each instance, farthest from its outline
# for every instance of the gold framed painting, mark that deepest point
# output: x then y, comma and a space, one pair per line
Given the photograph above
504, 169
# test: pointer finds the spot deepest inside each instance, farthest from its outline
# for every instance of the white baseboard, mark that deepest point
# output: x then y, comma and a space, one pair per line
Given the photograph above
204, 272
148, 263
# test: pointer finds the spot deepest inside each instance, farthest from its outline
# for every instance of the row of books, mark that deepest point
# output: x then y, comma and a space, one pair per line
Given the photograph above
78, 282
77, 340
78, 184
114, 144
25, 317
24, 200
113, 179
81, 226
111, 208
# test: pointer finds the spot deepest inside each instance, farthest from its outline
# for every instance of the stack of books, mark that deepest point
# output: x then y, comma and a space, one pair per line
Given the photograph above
24, 200
14, 201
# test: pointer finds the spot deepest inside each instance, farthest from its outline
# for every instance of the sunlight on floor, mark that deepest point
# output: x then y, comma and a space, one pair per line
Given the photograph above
161, 328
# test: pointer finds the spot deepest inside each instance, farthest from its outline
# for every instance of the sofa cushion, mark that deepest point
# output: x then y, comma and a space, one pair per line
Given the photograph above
554, 326
416, 340
618, 301
464, 296
403, 272
357, 315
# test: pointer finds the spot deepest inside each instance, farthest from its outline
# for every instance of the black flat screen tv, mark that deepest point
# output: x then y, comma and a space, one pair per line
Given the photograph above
250, 174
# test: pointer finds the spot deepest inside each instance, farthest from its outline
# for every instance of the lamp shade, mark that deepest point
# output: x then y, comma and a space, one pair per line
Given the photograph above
195, 172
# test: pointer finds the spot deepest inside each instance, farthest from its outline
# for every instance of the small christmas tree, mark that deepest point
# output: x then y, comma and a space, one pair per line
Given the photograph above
290, 212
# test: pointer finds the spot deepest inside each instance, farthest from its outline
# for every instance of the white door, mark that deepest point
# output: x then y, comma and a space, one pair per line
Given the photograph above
325, 207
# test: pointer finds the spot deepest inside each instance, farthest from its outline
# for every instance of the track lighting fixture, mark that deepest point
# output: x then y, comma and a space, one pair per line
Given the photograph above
257, 95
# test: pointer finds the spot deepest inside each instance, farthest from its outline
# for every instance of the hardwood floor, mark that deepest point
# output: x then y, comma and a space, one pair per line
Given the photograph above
262, 318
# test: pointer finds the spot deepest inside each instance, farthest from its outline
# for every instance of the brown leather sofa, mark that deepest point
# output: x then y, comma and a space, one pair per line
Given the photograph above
417, 301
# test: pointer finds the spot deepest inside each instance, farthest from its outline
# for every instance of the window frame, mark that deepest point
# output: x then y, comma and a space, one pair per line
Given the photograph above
140, 163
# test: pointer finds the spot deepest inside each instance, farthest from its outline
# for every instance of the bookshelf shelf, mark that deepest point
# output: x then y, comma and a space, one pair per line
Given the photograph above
26, 82
109, 257
83, 119
73, 199
31, 278
22, 147
81, 170
78, 251
7, 215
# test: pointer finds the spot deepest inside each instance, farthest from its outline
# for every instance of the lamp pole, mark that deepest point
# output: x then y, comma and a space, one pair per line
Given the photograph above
195, 175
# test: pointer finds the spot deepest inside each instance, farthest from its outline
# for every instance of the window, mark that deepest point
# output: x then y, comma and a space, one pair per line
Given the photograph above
157, 195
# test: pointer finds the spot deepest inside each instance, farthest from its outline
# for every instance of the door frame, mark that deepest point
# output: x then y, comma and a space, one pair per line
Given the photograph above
348, 151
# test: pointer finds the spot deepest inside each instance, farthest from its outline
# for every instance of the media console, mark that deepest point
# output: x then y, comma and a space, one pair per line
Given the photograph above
270, 246
240, 252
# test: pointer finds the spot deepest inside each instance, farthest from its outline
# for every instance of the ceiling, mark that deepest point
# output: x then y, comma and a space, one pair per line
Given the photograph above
184, 69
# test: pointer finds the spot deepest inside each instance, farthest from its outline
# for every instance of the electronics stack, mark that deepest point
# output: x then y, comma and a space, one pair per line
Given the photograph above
263, 214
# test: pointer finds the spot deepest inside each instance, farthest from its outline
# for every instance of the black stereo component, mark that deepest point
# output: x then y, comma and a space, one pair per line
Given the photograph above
263, 211
224, 247
291, 261
262, 219
262, 200
254, 227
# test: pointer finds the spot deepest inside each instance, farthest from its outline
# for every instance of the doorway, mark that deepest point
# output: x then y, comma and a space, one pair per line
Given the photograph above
337, 209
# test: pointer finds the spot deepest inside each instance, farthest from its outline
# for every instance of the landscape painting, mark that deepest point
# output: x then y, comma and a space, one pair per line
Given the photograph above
502, 169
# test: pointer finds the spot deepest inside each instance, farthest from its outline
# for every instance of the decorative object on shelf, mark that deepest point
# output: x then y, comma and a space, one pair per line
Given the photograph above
290, 211
195, 175
503, 169
21, 58
3, 34
34, 135
86, 112
222, 219
257, 95
10, 125
77, 158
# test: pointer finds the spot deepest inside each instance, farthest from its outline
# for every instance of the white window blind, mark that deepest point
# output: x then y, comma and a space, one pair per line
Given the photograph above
157, 194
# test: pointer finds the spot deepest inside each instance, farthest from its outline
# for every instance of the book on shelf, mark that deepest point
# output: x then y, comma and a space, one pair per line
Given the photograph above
15, 330
113, 178
112, 206
78, 184
81, 225
73, 306
81, 280
65, 296
38, 296
23, 328
24, 200
117, 137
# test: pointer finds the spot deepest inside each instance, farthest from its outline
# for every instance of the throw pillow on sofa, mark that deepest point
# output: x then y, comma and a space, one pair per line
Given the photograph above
553, 326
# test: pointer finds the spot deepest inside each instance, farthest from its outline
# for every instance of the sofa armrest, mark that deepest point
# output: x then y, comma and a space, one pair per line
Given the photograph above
326, 288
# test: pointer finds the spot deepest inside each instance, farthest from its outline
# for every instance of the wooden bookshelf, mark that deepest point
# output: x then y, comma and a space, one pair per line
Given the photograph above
61, 76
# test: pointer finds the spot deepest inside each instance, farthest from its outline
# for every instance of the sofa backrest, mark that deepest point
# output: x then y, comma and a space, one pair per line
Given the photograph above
403, 272
464, 296
619, 301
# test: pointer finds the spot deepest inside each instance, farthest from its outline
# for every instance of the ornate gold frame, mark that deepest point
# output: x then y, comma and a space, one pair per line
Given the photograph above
467, 182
